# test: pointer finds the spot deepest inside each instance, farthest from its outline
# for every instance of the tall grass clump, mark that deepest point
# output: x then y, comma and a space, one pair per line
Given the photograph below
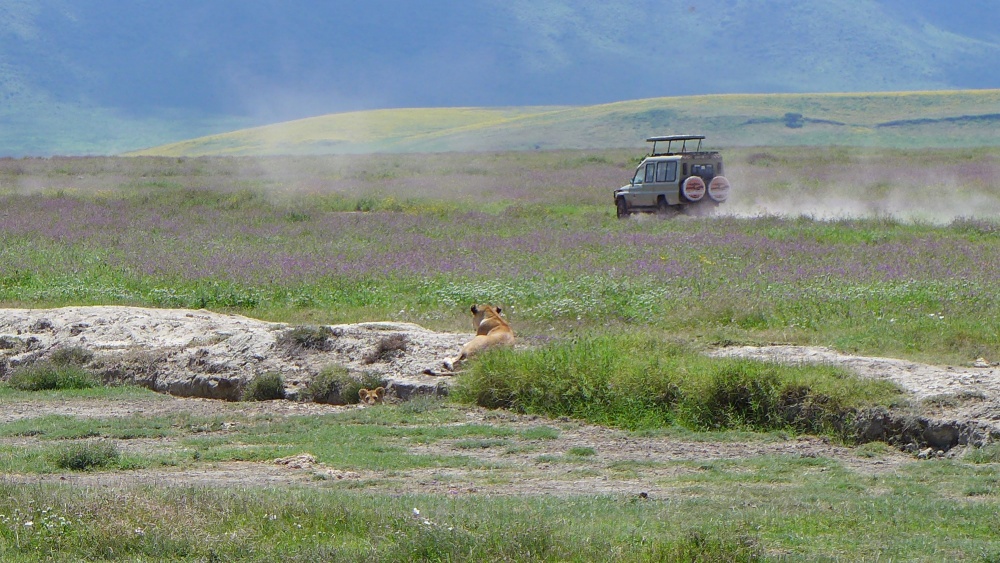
48, 375
630, 382
635, 382
85, 456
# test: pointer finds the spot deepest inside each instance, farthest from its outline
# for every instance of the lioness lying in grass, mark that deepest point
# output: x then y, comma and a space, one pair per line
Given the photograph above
491, 330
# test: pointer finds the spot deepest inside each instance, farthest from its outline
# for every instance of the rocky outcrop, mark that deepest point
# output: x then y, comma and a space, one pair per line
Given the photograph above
204, 354
951, 405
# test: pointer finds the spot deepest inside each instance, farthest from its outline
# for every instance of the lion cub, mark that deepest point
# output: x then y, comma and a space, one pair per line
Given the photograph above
491, 330
372, 396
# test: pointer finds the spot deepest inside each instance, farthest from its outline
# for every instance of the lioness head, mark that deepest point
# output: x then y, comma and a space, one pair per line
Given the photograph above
484, 312
371, 396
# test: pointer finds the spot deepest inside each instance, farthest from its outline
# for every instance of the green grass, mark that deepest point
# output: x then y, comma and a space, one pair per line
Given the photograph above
609, 343
644, 382
767, 508
45, 376
85, 456
118, 392
758, 507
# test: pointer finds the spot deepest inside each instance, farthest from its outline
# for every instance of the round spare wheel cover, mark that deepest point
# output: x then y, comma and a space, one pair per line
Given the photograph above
718, 189
693, 189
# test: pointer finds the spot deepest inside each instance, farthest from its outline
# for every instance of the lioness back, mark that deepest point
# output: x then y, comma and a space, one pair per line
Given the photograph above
491, 330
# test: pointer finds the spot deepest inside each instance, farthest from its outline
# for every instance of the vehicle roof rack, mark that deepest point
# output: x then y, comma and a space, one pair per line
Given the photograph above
669, 139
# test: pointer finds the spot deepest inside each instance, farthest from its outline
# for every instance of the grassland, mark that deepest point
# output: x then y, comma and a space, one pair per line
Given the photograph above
417, 238
406, 488
946, 119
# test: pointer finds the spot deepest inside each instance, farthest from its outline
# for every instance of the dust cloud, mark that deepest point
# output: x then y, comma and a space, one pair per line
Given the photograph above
915, 187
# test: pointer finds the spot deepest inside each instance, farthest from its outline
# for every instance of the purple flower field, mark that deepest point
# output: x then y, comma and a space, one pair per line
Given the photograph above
534, 232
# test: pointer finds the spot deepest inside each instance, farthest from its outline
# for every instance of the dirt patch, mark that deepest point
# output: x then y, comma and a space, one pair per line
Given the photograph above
613, 462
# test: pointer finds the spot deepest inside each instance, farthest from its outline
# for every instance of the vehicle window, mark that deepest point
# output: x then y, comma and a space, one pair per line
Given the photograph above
650, 171
671, 172
661, 171
637, 179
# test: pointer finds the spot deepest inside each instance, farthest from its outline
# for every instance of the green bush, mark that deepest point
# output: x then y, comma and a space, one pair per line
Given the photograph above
265, 387
85, 456
637, 382
44, 376
337, 385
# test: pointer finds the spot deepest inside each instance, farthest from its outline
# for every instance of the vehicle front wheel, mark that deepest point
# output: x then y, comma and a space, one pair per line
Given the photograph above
622, 208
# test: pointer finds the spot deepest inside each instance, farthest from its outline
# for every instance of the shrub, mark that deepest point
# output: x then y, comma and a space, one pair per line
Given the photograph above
336, 385
265, 387
386, 348
44, 376
306, 337
85, 456
71, 356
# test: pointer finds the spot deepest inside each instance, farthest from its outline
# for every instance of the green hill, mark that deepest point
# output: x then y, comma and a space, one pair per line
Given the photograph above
902, 119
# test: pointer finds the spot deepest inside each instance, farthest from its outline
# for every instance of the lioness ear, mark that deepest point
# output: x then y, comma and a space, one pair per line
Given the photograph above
362, 394
379, 391
475, 309
498, 310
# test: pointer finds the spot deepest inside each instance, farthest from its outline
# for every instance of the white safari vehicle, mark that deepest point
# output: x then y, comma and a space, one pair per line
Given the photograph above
682, 177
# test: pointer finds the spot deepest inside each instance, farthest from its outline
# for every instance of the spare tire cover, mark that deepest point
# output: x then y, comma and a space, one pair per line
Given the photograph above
693, 189
718, 189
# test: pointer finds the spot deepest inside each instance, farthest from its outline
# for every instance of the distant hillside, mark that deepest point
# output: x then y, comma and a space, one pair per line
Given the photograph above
910, 119
111, 75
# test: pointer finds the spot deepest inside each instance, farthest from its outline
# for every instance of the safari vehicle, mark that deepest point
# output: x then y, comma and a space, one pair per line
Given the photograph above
681, 178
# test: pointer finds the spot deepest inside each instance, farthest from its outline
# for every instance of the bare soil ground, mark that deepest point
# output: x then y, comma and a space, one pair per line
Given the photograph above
613, 462
622, 463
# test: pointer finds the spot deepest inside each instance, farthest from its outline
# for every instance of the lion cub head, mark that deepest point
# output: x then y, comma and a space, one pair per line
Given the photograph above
372, 396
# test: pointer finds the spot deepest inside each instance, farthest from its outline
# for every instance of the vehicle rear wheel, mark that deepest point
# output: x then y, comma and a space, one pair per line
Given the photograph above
622, 208
701, 209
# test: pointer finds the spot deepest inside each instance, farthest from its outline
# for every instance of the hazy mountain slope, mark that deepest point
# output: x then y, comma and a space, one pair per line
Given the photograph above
139, 72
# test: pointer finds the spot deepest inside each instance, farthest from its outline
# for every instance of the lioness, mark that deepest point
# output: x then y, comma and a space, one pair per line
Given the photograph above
491, 330
371, 396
